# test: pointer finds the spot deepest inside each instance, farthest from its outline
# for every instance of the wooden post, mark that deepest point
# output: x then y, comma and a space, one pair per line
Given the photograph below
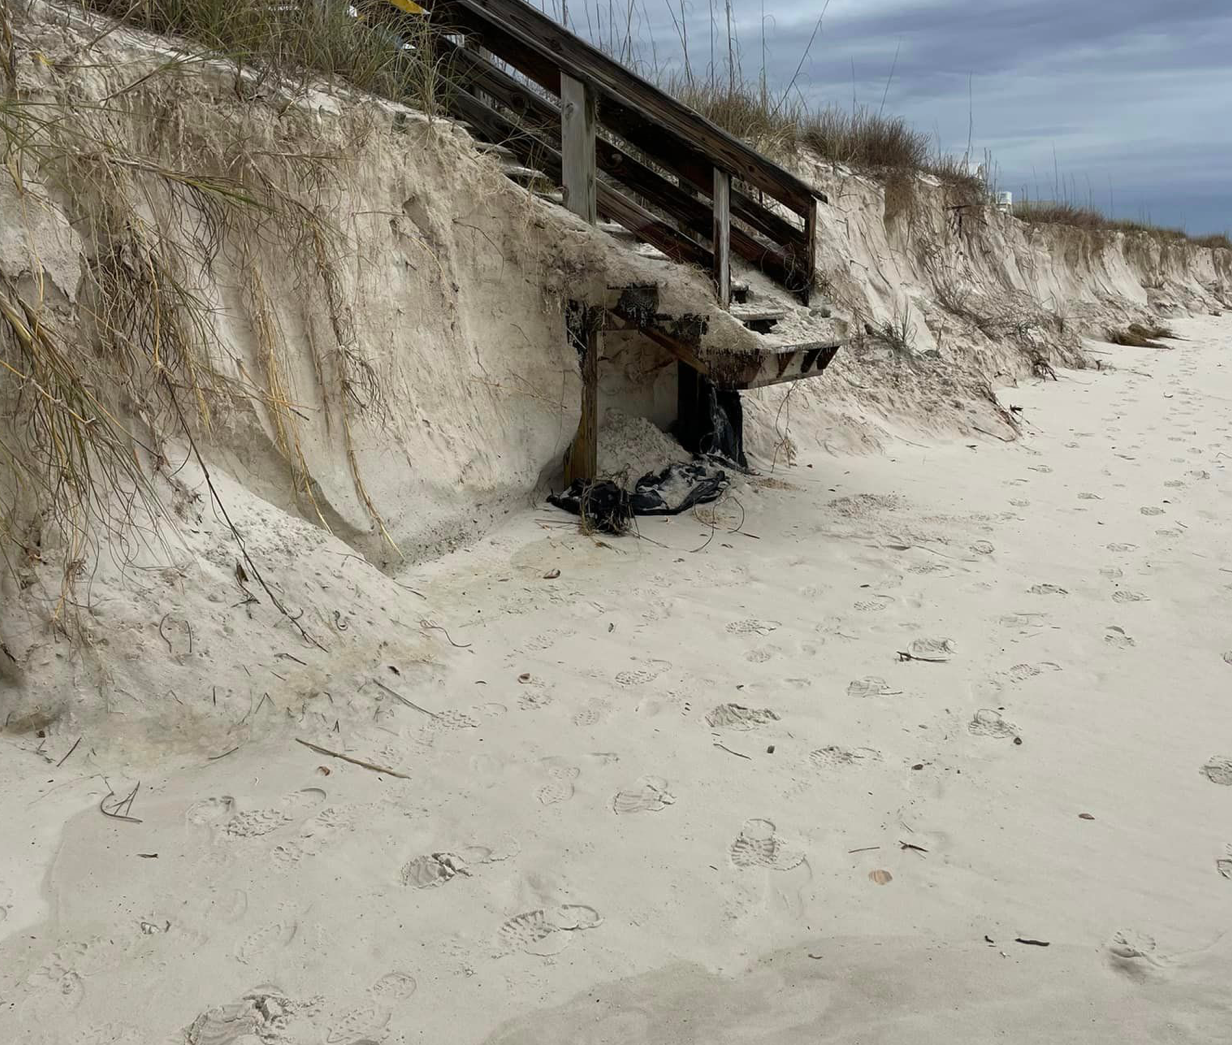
472, 44
582, 330
577, 136
809, 260
577, 140
721, 244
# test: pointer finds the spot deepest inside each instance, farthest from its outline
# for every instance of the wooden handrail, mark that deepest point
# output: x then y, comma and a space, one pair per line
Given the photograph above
677, 142
543, 118
572, 55
674, 153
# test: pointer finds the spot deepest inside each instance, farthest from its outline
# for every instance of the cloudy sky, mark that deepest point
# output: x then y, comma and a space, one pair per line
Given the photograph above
1134, 97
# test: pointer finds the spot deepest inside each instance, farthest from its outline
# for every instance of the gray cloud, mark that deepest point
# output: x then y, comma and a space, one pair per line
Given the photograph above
1136, 93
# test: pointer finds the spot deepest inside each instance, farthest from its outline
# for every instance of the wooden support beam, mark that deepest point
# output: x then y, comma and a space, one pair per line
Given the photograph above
577, 137
577, 153
809, 258
583, 328
720, 244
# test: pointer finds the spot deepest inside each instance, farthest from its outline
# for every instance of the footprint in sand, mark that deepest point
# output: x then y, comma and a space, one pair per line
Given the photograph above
1113, 573
988, 723
834, 757
1123, 596
1134, 954
358, 1025
1089, 497
534, 699
1174, 483
873, 605
642, 676
1227, 657
265, 941
441, 723
592, 713
737, 716
1200, 474
648, 795
1022, 620
262, 1014
393, 987
1118, 546
254, 823
1116, 637
559, 787
1151, 510
1039, 468
871, 686
209, 811
1022, 672
432, 869
1218, 770
753, 627
932, 649
1047, 589
759, 656
985, 547
758, 845
545, 931
1223, 864
1019, 504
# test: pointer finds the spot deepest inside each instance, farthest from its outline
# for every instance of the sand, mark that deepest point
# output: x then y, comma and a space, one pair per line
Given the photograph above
930, 745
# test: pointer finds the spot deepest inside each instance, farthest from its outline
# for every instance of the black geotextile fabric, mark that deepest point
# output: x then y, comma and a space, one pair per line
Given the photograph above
609, 508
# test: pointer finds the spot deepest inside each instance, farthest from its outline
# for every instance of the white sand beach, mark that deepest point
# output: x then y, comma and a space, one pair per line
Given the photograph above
930, 745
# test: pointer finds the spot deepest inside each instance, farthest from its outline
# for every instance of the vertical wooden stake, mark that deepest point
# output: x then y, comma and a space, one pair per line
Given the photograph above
721, 244
582, 458
577, 136
470, 43
809, 261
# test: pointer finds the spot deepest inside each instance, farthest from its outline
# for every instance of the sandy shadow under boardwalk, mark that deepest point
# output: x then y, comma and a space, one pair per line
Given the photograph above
891, 990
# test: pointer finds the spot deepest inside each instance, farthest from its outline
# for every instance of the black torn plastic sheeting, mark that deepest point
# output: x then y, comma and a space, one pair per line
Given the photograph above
710, 419
607, 507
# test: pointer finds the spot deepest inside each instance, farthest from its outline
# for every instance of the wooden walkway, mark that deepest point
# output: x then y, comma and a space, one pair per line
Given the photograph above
625, 151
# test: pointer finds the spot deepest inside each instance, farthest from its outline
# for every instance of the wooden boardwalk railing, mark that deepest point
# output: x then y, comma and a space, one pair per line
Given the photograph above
622, 148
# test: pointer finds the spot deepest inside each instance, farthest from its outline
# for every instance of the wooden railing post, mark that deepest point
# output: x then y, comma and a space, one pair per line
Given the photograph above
578, 118
810, 252
578, 114
721, 245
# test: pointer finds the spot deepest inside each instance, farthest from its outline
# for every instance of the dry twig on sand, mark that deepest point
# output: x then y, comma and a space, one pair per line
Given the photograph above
354, 761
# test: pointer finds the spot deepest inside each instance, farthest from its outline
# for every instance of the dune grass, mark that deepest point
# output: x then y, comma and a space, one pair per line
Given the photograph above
1095, 220
379, 50
862, 138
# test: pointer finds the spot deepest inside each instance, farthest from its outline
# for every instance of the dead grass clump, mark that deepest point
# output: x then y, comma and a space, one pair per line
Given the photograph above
1216, 241
1139, 335
371, 45
92, 397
